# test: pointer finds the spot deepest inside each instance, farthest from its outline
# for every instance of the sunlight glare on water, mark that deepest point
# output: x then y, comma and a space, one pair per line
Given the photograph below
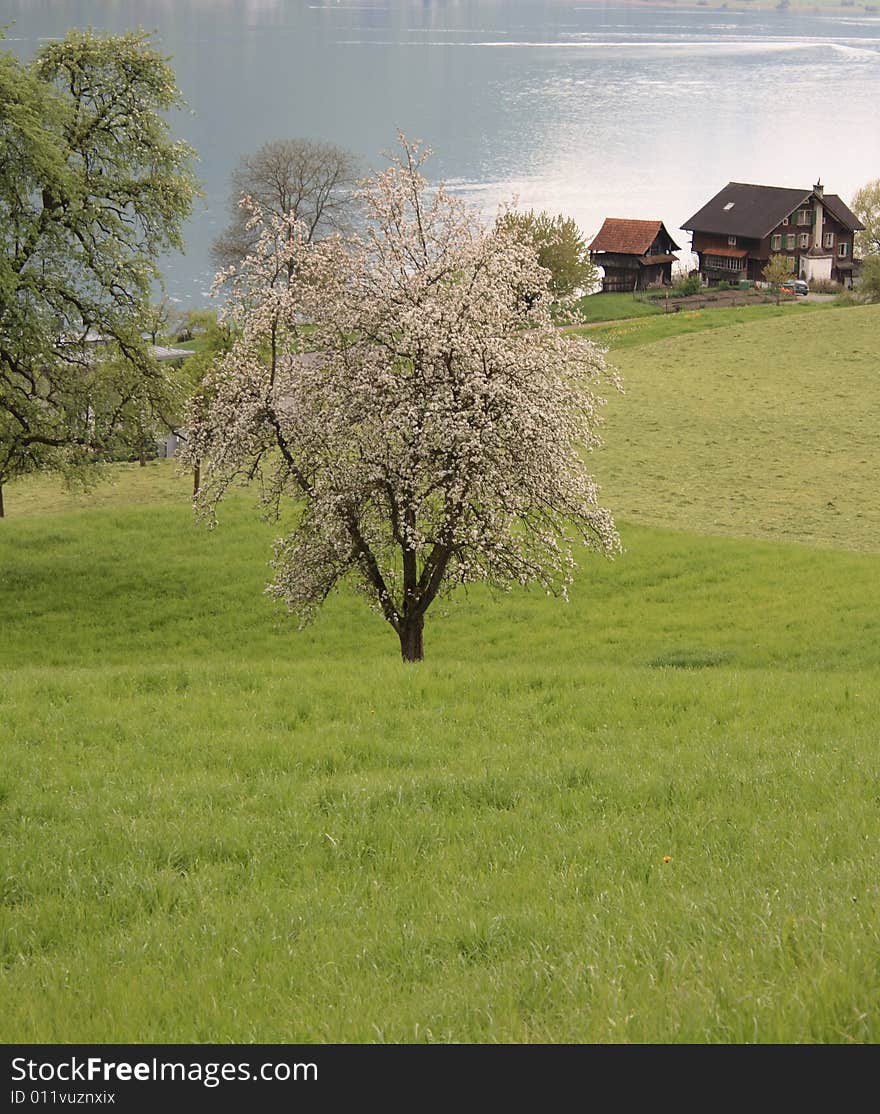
593, 111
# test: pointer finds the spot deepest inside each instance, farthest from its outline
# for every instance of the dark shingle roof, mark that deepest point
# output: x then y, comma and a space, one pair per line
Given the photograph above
627, 237
842, 211
741, 209
753, 211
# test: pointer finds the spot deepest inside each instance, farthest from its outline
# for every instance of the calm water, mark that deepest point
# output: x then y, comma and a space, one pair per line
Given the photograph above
592, 110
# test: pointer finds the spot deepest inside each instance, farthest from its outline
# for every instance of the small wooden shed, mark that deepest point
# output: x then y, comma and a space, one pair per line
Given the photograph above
633, 254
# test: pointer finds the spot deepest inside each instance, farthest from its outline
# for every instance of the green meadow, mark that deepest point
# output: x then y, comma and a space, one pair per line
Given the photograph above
617, 307
767, 428
632, 332
649, 815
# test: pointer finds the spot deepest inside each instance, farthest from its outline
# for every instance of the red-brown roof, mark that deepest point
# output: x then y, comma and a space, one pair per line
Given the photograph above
727, 253
628, 237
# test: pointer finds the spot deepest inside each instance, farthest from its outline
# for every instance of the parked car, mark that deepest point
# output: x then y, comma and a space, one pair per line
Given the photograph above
795, 286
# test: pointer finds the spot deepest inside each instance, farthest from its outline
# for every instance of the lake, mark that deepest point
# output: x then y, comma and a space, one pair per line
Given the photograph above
592, 110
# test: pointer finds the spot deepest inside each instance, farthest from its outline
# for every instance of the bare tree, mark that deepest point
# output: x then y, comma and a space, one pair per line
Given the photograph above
302, 178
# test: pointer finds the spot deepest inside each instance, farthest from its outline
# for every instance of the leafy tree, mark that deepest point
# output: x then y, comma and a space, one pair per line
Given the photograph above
866, 206
428, 427
778, 270
869, 279
92, 191
157, 319
308, 180
559, 246
195, 323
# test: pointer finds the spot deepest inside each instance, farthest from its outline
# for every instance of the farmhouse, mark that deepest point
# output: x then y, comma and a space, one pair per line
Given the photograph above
736, 232
633, 254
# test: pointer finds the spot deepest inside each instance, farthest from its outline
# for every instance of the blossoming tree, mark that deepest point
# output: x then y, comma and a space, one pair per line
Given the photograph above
407, 389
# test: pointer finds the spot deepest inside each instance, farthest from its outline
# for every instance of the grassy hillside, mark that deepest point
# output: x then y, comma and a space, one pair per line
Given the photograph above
639, 331
649, 816
125, 485
763, 429
616, 307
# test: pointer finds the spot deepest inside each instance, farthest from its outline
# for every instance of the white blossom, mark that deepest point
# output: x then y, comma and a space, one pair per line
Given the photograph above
407, 389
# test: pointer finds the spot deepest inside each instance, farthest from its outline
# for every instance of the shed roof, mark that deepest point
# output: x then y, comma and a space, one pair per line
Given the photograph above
159, 352
628, 237
656, 260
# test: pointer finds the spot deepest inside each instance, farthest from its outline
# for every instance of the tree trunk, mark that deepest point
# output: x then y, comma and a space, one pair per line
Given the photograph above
411, 638
197, 478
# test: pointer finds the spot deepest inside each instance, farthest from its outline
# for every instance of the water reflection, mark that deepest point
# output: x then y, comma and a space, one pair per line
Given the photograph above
593, 110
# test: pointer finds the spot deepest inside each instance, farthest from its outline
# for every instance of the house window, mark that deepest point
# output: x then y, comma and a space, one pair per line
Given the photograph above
805, 239
785, 222
829, 239
732, 241
843, 250
723, 263
804, 216
775, 242
790, 241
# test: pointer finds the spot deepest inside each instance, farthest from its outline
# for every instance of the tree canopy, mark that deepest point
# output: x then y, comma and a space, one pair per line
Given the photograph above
560, 247
866, 206
407, 391
93, 190
869, 278
778, 270
302, 178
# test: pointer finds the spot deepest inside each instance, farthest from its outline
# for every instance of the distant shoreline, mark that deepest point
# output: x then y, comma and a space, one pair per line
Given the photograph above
795, 7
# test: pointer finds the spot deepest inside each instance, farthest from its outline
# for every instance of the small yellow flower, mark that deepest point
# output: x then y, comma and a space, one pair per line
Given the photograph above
667, 858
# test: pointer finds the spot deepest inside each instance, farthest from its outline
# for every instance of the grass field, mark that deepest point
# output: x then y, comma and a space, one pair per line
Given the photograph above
767, 428
636, 332
647, 816
616, 307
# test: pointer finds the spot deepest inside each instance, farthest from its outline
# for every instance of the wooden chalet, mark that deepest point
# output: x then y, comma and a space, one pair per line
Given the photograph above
633, 254
736, 232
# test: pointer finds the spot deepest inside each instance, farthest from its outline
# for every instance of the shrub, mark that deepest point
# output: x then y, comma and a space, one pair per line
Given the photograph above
690, 285
825, 286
